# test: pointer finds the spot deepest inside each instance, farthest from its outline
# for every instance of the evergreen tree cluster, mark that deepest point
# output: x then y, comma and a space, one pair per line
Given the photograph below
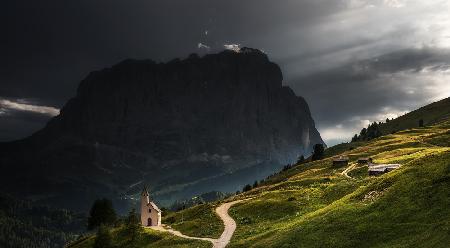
301, 159
198, 200
23, 224
133, 227
369, 133
318, 151
127, 235
102, 213
103, 238
287, 167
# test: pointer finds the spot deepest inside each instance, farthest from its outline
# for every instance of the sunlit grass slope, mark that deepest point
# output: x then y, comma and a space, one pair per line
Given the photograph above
148, 239
198, 221
404, 208
430, 114
314, 205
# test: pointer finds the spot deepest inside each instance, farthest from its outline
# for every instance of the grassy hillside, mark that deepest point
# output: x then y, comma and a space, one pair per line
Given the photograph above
405, 208
430, 114
316, 205
148, 239
199, 221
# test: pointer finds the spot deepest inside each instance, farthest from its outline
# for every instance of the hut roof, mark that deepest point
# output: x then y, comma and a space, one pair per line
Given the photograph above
364, 159
383, 167
340, 159
153, 205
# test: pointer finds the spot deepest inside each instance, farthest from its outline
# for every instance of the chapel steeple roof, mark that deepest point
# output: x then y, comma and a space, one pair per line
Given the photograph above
144, 191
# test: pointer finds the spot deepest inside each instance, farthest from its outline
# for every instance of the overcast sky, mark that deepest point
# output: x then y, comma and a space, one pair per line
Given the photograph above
355, 61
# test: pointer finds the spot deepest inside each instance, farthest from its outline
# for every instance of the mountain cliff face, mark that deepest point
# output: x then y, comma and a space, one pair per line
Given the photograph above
182, 127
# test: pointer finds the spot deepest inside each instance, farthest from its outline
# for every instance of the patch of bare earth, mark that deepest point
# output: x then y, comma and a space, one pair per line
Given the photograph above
372, 196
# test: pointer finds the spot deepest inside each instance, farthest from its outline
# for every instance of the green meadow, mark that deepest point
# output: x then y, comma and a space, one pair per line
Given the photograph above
314, 205
148, 239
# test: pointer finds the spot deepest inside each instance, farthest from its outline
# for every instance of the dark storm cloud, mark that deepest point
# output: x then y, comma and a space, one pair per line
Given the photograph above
48, 46
348, 97
18, 118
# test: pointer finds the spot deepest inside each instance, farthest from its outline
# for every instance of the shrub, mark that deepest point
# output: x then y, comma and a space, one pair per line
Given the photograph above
171, 220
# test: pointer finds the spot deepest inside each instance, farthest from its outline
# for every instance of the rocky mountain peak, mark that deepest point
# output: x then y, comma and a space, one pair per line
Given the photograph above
184, 122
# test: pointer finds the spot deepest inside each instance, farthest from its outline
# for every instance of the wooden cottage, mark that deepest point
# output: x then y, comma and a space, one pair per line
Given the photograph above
340, 161
364, 160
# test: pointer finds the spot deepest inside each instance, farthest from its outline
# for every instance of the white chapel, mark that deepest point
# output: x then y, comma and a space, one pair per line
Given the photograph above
150, 213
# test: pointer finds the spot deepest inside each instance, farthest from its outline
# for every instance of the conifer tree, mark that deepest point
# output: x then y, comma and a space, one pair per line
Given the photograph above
301, 159
133, 227
103, 238
247, 188
255, 184
102, 213
421, 123
318, 152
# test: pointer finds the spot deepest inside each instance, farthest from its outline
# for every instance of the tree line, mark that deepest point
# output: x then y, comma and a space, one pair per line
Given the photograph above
23, 224
318, 153
373, 131
104, 220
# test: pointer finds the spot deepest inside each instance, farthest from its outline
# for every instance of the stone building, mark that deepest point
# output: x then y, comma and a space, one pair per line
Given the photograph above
150, 213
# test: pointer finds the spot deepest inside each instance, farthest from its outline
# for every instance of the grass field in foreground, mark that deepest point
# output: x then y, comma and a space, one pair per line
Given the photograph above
198, 221
148, 239
313, 205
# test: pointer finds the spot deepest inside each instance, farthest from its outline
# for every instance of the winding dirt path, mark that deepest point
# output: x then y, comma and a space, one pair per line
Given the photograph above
230, 224
222, 212
347, 170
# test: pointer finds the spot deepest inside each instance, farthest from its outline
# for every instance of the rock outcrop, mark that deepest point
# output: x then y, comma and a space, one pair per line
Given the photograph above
183, 127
